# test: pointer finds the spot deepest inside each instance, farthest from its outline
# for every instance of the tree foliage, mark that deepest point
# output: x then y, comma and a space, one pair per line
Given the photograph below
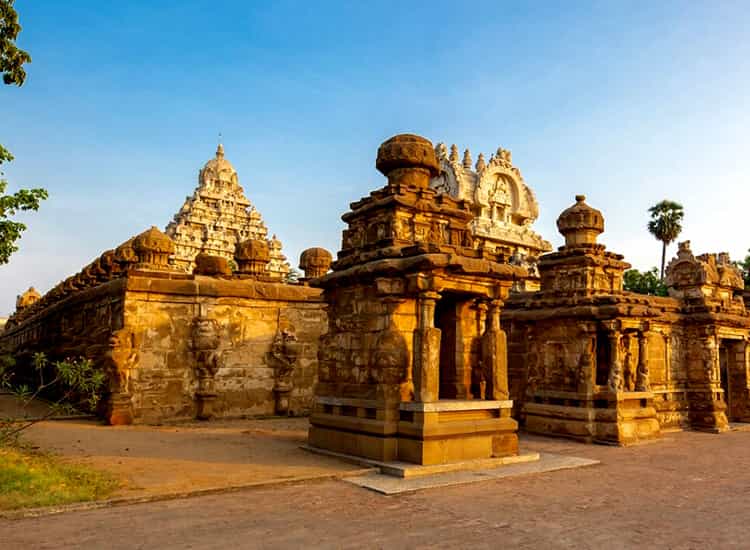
646, 282
744, 267
12, 60
665, 225
72, 383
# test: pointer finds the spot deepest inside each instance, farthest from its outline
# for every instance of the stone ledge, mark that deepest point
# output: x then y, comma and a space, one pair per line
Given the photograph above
406, 470
446, 405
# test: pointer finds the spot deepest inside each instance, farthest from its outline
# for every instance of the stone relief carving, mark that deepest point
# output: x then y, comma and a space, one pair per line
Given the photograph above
283, 357
504, 206
121, 358
205, 341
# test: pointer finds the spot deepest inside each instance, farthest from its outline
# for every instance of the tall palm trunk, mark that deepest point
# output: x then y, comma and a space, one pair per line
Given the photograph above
663, 257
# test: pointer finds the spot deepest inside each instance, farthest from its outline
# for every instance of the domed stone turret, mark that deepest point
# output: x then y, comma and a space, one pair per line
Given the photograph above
580, 224
407, 159
252, 257
153, 249
219, 170
27, 299
315, 262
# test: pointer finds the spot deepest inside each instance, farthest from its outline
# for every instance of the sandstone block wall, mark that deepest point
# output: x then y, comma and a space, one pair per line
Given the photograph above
157, 313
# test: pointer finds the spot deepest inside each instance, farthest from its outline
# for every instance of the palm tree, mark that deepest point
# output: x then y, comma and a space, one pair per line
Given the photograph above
665, 225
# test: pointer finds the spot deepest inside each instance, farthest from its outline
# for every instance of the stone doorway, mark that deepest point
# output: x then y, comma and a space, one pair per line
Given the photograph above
732, 372
447, 319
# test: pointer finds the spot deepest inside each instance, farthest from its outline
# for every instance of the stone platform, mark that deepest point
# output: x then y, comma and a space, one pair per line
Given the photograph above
408, 470
525, 464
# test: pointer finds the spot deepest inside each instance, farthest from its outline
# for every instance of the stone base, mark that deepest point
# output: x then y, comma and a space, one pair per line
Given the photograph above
615, 419
407, 470
708, 414
420, 433
119, 409
204, 403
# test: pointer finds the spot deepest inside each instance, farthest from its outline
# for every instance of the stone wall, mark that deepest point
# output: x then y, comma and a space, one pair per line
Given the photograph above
140, 328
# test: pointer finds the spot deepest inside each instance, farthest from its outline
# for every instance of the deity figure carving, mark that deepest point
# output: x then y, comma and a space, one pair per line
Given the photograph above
391, 364
283, 357
121, 357
629, 366
204, 345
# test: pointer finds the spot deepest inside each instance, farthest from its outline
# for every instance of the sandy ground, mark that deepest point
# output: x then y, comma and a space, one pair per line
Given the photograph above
688, 491
188, 457
12, 407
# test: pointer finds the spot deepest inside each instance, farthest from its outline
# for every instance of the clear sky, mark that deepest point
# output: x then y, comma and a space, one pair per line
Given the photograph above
626, 102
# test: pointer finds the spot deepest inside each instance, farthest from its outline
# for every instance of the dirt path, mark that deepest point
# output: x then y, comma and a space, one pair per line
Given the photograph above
177, 459
690, 491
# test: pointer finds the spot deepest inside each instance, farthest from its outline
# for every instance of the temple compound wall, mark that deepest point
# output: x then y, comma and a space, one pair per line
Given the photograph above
590, 361
214, 343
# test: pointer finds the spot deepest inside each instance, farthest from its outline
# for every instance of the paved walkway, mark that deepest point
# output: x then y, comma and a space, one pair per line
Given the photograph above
690, 491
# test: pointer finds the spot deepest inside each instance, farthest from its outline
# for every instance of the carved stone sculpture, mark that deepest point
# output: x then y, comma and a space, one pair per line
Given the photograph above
205, 344
121, 358
283, 357
504, 206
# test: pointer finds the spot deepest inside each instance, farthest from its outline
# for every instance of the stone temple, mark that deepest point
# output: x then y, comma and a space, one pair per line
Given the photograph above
217, 217
444, 326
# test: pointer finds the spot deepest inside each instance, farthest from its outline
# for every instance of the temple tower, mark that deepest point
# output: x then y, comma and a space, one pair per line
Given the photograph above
504, 207
217, 217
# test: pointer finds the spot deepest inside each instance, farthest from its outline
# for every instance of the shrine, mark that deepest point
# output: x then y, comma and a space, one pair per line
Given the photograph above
413, 366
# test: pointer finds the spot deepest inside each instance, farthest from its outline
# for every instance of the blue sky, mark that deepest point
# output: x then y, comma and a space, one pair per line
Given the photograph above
626, 102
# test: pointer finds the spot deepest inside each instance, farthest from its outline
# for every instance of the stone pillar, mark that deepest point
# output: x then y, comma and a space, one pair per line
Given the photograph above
426, 350
495, 353
667, 358
587, 365
615, 381
711, 361
643, 380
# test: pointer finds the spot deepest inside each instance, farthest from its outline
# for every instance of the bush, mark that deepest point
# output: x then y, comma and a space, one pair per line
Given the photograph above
74, 383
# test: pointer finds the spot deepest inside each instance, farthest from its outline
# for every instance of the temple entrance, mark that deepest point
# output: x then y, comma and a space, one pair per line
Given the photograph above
603, 354
724, 374
732, 376
447, 320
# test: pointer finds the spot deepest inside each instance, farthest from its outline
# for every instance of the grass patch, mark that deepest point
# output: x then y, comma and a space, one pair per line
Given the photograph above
32, 479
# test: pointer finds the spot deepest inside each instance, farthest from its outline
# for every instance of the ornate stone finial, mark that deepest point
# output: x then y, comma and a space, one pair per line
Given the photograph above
220, 151
441, 151
481, 164
28, 298
454, 153
467, 160
407, 159
215, 266
252, 257
580, 224
153, 249
315, 262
